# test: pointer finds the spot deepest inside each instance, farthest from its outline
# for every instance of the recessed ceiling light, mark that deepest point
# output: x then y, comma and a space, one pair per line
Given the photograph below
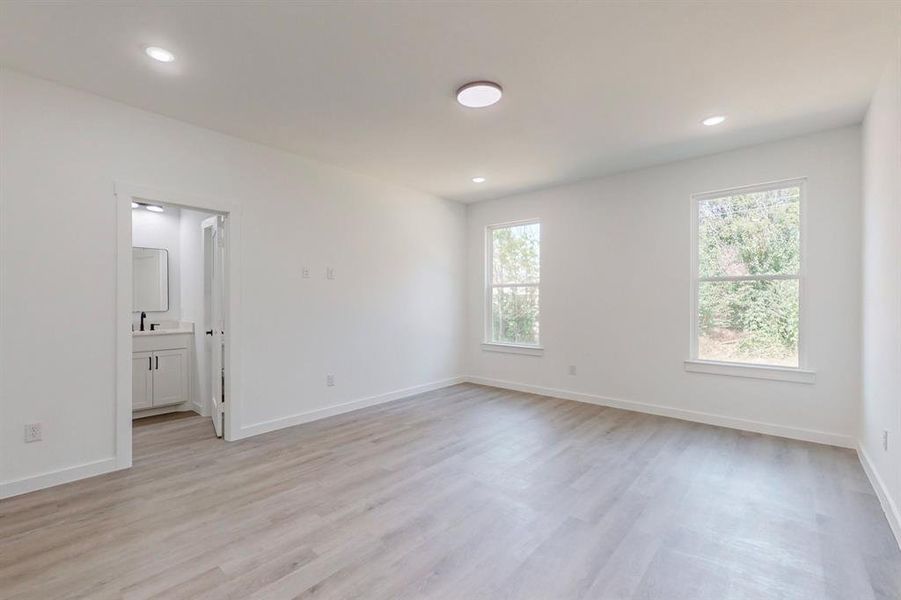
714, 120
479, 94
478, 180
135, 205
160, 54
154, 208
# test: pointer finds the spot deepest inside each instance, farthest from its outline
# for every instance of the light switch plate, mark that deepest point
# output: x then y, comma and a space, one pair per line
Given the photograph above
32, 432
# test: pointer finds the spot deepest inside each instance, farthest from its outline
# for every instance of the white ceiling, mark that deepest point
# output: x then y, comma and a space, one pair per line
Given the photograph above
590, 88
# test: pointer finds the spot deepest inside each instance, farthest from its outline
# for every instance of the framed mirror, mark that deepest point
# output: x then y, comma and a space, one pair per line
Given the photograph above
150, 269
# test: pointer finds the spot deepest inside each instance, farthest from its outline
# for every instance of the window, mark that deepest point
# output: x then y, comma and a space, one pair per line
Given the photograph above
747, 272
513, 279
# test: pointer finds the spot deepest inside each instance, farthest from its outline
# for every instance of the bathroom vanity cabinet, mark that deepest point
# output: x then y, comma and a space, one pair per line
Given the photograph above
160, 369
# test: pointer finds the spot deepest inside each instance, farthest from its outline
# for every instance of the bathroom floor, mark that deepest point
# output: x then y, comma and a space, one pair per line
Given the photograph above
164, 418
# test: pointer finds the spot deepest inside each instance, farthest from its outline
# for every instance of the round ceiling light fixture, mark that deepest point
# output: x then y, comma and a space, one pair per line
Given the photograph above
478, 180
714, 120
479, 94
154, 208
160, 54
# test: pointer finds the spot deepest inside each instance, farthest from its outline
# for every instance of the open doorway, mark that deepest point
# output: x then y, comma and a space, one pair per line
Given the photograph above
176, 307
178, 327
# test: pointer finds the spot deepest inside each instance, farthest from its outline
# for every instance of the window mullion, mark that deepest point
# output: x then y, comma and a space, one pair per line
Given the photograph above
731, 278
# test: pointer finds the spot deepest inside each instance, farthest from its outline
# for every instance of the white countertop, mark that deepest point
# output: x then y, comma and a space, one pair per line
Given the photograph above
173, 330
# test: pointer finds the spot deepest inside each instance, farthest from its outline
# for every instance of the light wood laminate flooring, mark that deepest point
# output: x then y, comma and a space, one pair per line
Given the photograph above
469, 492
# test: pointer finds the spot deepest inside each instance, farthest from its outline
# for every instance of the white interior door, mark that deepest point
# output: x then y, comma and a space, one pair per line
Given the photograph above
214, 299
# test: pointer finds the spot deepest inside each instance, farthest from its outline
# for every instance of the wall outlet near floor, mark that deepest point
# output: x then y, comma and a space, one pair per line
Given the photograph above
572, 369
32, 432
329, 380
885, 440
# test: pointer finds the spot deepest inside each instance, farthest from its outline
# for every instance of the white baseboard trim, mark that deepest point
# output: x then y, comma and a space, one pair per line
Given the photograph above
795, 433
16, 487
330, 411
892, 514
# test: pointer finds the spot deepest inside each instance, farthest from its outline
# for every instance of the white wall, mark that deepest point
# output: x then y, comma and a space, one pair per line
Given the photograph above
616, 284
391, 320
161, 230
881, 408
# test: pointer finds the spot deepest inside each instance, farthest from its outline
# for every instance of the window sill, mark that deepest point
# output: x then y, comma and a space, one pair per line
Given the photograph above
753, 371
513, 349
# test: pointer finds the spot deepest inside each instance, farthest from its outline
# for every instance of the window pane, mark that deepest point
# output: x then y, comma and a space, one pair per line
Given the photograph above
750, 234
514, 315
749, 321
516, 254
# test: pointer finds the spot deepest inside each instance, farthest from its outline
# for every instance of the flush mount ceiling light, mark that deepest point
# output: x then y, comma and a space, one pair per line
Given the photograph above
479, 94
714, 120
154, 208
160, 54
478, 180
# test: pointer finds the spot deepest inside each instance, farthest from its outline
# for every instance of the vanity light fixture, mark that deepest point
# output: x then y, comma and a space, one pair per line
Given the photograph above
159, 54
154, 208
478, 180
713, 120
479, 94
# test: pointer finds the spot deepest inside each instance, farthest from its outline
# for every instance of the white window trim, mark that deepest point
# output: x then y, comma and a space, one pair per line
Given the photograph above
487, 344
712, 367
800, 374
513, 348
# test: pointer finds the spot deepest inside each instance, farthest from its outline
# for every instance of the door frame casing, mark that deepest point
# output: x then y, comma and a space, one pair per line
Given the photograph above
124, 194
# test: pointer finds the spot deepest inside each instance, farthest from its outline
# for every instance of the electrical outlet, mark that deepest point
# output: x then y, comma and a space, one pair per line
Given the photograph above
329, 272
305, 272
329, 380
572, 369
32, 432
885, 440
